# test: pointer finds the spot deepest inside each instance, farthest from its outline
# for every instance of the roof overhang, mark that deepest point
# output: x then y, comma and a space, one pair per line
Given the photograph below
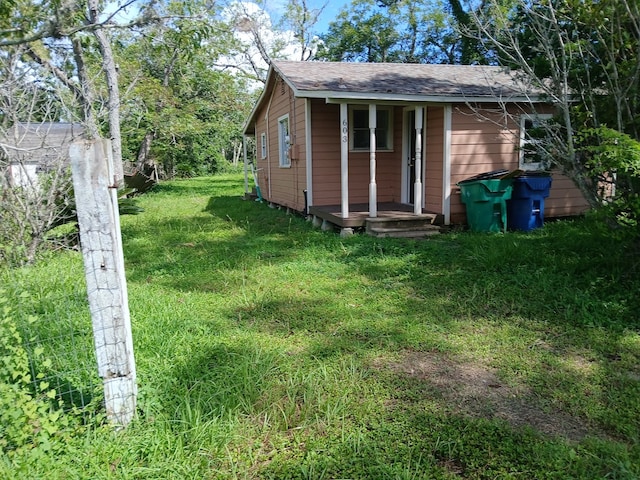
338, 97
266, 91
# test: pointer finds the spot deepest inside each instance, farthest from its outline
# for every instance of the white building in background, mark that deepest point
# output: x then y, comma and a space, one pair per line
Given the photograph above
28, 150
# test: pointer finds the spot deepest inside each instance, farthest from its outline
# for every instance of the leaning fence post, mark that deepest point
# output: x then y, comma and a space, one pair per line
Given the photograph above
99, 223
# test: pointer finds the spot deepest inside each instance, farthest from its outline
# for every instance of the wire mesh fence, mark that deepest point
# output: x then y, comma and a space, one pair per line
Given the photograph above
73, 346
51, 316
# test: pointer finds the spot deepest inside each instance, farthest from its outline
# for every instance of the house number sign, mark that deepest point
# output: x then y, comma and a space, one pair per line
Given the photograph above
345, 131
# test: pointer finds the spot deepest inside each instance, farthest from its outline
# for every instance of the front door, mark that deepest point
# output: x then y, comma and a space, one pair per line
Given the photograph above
410, 156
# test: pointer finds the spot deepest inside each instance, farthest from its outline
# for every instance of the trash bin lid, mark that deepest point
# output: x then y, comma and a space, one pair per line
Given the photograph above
536, 183
485, 176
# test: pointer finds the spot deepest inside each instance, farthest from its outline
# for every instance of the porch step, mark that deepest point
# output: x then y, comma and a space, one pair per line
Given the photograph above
415, 226
403, 233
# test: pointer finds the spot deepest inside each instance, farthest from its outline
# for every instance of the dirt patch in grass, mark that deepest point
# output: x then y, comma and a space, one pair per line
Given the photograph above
474, 389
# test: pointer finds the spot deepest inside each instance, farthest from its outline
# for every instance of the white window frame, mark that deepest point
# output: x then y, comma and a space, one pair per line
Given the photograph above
388, 133
524, 141
284, 141
263, 145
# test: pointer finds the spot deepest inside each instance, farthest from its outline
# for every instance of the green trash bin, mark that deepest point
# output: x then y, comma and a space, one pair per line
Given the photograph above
486, 203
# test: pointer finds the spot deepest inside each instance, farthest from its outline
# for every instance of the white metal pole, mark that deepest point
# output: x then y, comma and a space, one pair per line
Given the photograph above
344, 160
417, 186
373, 189
446, 166
246, 166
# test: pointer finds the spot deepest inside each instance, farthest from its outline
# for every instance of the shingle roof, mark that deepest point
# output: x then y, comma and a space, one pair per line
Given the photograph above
397, 82
341, 79
39, 142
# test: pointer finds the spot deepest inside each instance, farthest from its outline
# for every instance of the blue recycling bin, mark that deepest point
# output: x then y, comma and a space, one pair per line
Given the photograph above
525, 209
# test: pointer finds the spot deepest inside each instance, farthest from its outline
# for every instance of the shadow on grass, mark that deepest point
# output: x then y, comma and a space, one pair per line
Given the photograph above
221, 378
199, 186
422, 444
581, 279
567, 292
301, 426
237, 234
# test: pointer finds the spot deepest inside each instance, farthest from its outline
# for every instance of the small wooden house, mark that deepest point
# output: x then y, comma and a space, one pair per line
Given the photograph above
352, 142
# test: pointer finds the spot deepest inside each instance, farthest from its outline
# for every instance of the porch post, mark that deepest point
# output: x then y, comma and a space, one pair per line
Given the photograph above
246, 166
373, 188
344, 160
446, 166
309, 152
417, 186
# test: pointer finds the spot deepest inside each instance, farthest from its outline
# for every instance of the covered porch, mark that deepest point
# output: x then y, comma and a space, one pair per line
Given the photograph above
362, 134
369, 133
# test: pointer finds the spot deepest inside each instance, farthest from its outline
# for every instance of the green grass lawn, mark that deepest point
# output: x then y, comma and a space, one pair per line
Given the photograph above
268, 349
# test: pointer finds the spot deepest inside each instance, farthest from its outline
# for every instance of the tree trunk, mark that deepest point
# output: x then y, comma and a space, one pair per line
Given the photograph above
144, 163
84, 92
143, 159
111, 73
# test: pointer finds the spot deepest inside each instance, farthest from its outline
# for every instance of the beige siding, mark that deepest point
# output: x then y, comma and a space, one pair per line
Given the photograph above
434, 157
325, 138
565, 199
262, 164
283, 186
478, 145
481, 145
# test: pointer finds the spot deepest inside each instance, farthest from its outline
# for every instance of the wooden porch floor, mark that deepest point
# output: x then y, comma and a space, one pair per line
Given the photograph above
359, 213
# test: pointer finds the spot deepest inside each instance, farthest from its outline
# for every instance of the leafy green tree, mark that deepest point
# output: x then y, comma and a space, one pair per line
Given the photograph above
43, 78
196, 129
398, 31
180, 114
361, 33
301, 19
584, 57
470, 48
